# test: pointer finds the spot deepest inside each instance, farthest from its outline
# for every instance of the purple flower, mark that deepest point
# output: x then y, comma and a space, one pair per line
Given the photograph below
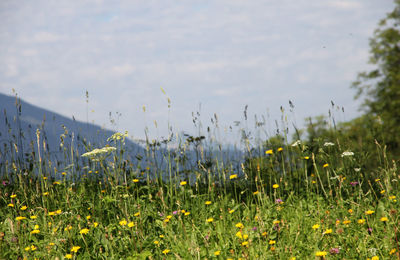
278, 201
254, 228
5, 183
160, 214
175, 212
334, 251
354, 183
369, 231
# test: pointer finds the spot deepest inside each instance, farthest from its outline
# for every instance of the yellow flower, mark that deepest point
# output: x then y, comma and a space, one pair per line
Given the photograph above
392, 251
316, 226
216, 253
169, 217
275, 186
45, 193
325, 165
84, 231
245, 236
135, 180
328, 231
20, 218
27, 248
35, 231
350, 211
131, 224
95, 224
161, 236
36, 227
166, 251
10, 205
276, 222
239, 234
377, 180
269, 152
255, 193
384, 219
58, 211
245, 243
239, 225
321, 253
68, 256
156, 242
231, 211
52, 213
123, 222
346, 222
33, 217
280, 149
88, 217
233, 176
272, 242
382, 191
187, 213
369, 212
23, 208
75, 249
264, 234
375, 258
306, 157
392, 197
361, 221
183, 183
63, 173
13, 196
210, 220
207, 202
137, 214
51, 244
33, 248
56, 183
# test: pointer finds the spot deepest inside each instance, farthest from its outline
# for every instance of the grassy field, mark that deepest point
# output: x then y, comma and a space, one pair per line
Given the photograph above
282, 203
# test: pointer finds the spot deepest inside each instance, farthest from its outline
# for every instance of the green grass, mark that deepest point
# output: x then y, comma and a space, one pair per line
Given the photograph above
287, 203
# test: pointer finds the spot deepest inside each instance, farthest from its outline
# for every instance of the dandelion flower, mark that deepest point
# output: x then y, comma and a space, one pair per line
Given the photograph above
33, 247
75, 249
369, 212
23, 208
216, 253
183, 183
321, 253
276, 222
245, 243
187, 213
275, 186
239, 225
13, 196
123, 222
95, 224
135, 180
316, 226
68, 256
255, 193
328, 231
375, 258
384, 219
346, 222
166, 251
361, 221
84, 231
239, 235
156, 242
20, 218
207, 202
210, 220
45, 193
325, 165
35, 231
233, 176
33, 217
131, 224
306, 157
269, 152
137, 214
231, 211
280, 149
272, 242
392, 251
10, 205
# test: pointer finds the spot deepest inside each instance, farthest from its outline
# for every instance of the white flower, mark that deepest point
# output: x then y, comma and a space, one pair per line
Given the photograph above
296, 143
95, 152
347, 153
357, 169
329, 144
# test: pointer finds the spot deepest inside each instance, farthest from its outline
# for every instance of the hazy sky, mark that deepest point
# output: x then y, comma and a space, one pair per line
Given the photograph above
223, 54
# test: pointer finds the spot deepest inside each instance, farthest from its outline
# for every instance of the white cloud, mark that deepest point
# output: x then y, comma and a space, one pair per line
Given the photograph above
222, 54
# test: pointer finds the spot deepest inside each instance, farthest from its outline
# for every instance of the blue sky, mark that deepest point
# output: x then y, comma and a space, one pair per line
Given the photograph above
220, 54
